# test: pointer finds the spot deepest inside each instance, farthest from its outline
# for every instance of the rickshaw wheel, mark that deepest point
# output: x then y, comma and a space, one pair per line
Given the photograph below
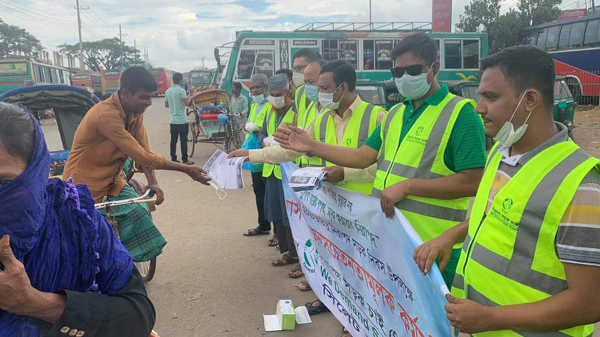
146, 269
191, 139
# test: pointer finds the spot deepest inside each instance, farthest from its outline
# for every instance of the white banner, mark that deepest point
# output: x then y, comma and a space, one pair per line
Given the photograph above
360, 264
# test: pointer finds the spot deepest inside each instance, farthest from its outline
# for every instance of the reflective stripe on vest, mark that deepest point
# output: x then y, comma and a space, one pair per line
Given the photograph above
310, 116
254, 114
423, 170
502, 265
422, 157
361, 124
289, 117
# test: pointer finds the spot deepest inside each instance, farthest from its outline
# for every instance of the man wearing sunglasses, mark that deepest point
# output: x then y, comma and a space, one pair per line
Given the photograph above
430, 149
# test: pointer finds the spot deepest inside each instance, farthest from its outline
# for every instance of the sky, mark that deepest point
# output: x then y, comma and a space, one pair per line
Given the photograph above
179, 34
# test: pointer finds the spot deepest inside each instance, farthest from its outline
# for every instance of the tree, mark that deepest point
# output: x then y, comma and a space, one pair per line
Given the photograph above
107, 53
17, 41
539, 11
505, 30
479, 15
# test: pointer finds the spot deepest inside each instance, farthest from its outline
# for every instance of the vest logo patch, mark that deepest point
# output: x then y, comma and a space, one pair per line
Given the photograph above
416, 139
507, 205
348, 141
419, 131
503, 218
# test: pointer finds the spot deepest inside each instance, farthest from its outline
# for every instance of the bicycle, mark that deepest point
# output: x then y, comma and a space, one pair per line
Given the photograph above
148, 268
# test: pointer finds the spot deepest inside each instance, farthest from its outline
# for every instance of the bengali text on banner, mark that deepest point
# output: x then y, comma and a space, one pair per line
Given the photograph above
360, 264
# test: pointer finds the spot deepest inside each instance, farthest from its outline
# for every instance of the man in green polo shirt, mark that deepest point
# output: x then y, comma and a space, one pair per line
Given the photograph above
176, 100
430, 149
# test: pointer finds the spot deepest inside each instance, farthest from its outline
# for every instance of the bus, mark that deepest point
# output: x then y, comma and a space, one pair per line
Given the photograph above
164, 78
200, 79
17, 73
90, 80
111, 81
575, 47
367, 47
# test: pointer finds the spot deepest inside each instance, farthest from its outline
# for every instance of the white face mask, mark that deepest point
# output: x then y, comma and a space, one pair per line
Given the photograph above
413, 87
298, 79
218, 189
326, 100
278, 102
258, 99
507, 135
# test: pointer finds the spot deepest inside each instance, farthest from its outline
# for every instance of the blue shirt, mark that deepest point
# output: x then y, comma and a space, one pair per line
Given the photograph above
174, 97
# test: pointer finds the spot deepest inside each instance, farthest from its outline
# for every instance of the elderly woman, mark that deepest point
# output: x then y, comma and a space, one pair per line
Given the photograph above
63, 271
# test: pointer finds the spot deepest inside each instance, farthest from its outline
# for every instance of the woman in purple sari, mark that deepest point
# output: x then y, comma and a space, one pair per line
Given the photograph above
62, 270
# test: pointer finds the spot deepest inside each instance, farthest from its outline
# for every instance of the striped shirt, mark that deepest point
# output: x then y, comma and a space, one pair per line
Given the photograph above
578, 237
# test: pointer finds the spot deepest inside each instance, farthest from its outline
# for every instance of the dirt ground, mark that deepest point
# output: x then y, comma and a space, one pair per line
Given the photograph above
211, 281
587, 129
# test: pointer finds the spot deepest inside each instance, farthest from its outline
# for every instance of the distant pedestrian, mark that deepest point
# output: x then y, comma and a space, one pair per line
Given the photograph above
238, 104
176, 100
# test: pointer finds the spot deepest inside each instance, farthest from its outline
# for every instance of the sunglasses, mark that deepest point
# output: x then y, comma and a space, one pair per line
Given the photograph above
413, 70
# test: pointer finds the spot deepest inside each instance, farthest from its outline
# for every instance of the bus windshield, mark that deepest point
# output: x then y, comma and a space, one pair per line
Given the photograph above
200, 78
13, 69
156, 72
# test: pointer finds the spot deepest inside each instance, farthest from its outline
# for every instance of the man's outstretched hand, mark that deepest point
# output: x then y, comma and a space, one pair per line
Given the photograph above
198, 174
293, 138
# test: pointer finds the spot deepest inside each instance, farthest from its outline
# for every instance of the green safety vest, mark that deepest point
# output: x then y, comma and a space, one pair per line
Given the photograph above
509, 254
289, 117
309, 117
301, 105
421, 155
361, 125
258, 117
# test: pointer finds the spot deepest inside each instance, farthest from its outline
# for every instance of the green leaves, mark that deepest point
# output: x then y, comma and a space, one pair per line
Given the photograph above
106, 53
17, 41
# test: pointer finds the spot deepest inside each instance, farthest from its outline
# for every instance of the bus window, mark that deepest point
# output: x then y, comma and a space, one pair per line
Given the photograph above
437, 45
453, 57
552, 39
349, 52
265, 63
541, 39
591, 33
47, 76
383, 54
565, 32
330, 50
470, 54
55, 77
368, 54
38, 73
246, 64
576, 40
530, 37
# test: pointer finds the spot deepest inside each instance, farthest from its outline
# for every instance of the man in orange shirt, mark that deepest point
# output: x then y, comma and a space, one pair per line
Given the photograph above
109, 134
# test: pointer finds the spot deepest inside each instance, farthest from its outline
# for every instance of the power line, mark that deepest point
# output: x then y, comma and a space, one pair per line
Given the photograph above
25, 9
25, 16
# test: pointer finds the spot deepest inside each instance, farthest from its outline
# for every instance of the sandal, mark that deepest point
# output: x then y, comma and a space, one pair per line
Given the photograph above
345, 333
304, 286
316, 309
285, 260
296, 273
274, 242
256, 231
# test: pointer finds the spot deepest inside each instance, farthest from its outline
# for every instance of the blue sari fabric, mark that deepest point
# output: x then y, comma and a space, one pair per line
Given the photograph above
56, 232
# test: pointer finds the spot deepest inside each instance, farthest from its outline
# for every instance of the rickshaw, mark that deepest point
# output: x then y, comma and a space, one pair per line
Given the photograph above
210, 121
69, 105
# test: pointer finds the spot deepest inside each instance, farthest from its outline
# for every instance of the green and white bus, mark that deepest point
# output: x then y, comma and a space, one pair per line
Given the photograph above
367, 47
17, 73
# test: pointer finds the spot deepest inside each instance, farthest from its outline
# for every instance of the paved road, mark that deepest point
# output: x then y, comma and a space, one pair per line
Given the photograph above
211, 281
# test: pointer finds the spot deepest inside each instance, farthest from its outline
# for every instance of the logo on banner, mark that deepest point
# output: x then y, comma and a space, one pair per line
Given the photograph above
311, 256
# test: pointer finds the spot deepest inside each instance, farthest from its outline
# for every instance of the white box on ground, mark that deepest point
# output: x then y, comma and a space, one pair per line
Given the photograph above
286, 317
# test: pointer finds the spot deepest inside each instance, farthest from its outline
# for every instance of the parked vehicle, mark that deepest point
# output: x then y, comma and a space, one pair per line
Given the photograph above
91, 81
111, 82
25, 72
164, 79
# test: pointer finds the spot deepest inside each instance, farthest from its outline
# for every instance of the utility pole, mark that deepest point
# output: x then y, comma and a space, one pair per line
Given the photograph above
121, 43
135, 49
593, 6
370, 21
80, 41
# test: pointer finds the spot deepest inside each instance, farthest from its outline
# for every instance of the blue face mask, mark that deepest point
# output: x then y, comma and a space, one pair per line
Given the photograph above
312, 92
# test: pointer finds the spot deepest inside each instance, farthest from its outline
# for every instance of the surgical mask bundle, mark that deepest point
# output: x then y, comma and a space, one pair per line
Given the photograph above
507, 135
312, 92
278, 102
221, 193
258, 99
298, 79
413, 87
326, 100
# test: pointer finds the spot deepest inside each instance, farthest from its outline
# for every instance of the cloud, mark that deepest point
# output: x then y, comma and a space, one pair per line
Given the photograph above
178, 35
